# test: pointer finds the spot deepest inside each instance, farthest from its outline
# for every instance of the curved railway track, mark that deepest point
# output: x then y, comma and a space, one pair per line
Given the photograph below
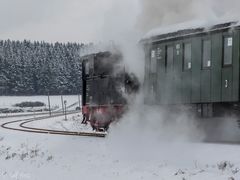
22, 126
9, 115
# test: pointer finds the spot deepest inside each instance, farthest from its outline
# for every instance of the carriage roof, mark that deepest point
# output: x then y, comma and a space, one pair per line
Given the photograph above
175, 31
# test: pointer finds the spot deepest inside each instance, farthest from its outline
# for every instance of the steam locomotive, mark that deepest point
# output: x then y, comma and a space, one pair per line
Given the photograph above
105, 87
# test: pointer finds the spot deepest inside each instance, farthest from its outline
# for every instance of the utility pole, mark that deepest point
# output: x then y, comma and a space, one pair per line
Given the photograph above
49, 105
65, 104
79, 102
62, 104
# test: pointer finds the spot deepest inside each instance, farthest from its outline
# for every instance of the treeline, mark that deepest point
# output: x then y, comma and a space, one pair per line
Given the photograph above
39, 68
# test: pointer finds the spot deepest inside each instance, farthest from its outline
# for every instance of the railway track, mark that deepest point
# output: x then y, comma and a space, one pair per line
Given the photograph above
25, 115
35, 113
22, 127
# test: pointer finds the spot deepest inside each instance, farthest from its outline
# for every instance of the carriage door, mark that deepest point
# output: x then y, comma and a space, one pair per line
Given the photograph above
161, 63
227, 70
177, 70
153, 76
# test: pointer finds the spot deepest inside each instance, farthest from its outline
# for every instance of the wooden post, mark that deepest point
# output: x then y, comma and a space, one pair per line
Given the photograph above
49, 105
62, 104
79, 102
65, 103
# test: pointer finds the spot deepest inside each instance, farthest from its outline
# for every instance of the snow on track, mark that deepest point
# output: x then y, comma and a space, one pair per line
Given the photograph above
21, 125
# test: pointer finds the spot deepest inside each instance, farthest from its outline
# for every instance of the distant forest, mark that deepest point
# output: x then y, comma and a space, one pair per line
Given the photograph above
39, 68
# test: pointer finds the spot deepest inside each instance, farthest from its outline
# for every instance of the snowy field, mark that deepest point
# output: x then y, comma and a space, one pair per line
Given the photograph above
25, 156
55, 102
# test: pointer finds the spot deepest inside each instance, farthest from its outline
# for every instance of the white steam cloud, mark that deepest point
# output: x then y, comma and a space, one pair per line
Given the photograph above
157, 13
125, 23
120, 27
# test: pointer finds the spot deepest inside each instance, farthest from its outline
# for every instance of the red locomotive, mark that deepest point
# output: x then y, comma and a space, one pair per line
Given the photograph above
105, 87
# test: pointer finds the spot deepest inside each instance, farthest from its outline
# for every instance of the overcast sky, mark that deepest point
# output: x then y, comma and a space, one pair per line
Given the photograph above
100, 20
59, 20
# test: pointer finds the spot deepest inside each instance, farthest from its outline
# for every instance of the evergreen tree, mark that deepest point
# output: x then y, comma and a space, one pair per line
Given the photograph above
38, 68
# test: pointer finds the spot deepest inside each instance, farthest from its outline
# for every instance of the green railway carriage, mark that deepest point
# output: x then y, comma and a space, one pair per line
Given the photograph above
196, 66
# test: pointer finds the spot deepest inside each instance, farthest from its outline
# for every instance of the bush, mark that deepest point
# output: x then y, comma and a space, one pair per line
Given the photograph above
30, 104
6, 110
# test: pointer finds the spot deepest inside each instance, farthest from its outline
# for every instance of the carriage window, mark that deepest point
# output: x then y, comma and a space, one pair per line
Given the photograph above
178, 47
87, 68
206, 57
159, 53
228, 43
153, 54
153, 64
169, 58
187, 56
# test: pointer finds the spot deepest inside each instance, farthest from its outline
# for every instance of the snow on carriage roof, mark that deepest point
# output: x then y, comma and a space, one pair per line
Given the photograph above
187, 28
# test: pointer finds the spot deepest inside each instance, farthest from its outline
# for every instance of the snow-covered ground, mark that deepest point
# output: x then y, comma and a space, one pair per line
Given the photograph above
54, 157
55, 102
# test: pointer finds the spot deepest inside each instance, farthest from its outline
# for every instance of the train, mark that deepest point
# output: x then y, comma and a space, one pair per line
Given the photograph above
106, 85
194, 67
